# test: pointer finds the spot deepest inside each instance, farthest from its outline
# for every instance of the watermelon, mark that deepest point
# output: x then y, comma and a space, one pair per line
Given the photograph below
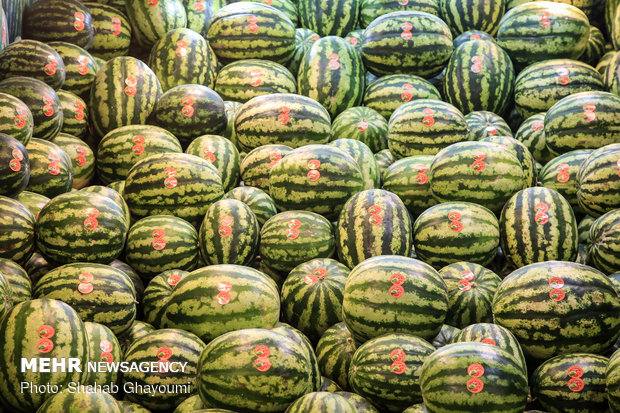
283, 119
249, 30
6, 292
479, 76
576, 294
613, 381
561, 174
112, 31
82, 158
36, 329
303, 41
532, 134
388, 294
407, 178
222, 153
34, 59
192, 404
388, 93
243, 80
456, 231
258, 162
229, 233
18, 280
363, 124
599, 187
388, 45
137, 330
473, 377
329, 18
481, 172
15, 118
416, 408
71, 400
394, 360
447, 335
189, 111
151, 20
200, 13
604, 239
372, 9
572, 382
72, 223
583, 229
328, 385
612, 75
42, 101
103, 346
493, 334
384, 159
268, 372
37, 266
121, 148
322, 401
182, 56
471, 288
312, 178
75, 118
354, 38
259, 202
483, 124
199, 303
364, 158
123, 93
472, 15
424, 127
527, 161
80, 67
361, 404
595, 48
162, 347
187, 184
135, 280
51, 168
161, 242
15, 163
331, 73
334, 352
470, 35
288, 7
291, 238
58, 20
371, 223
114, 196
129, 407
542, 30
157, 294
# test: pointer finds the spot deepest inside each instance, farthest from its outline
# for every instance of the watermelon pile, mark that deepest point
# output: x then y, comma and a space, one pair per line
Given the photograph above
304, 206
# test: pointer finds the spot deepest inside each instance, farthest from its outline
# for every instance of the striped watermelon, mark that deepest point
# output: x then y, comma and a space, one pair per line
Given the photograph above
528, 163
303, 41
388, 45
58, 20
189, 111
424, 127
470, 35
456, 231
75, 119
373, 222
332, 73
199, 304
354, 38
283, 119
481, 172
407, 179
311, 178
200, 13
538, 224
97, 292
161, 242
16, 231
135, 280
612, 75
599, 186
312, 296
72, 223
51, 168
18, 280
120, 149
321, 402
222, 153
254, 370
604, 241
372, 9
258, 162
583, 228
244, 79
192, 404
259, 202
114, 196
42, 101
483, 124
291, 238
151, 20
388, 294
37, 266
188, 184
532, 134
447, 335
393, 360
473, 377
384, 159
542, 30
6, 292
583, 300
595, 48
416, 408
15, 168
334, 352
248, 30
329, 18
33, 59
112, 31
560, 174
388, 93
71, 400
612, 375
364, 158
82, 158
479, 76
288, 7
472, 15
182, 56
229, 233
36, 329
80, 67
603, 64
103, 346
493, 334
137, 330
363, 124
15, 118
123, 93
329, 385
157, 294
163, 346
232, 108
572, 382
541, 85
471, 288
